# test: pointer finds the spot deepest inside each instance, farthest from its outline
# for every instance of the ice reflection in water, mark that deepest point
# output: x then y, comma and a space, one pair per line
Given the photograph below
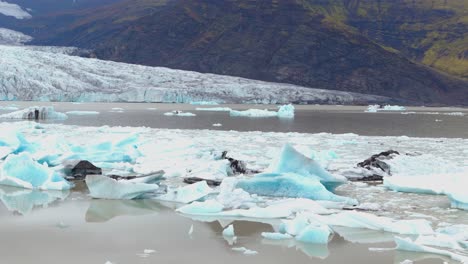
23, 201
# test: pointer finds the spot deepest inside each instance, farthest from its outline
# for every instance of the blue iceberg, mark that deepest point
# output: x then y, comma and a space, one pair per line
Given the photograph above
23, 171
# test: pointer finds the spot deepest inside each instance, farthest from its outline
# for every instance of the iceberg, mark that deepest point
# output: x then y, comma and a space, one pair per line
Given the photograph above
245, 251
290, 160
276, 236
104, 187
296, 176
377, 108
373, 222
316, 234
179, 113
285, 111
36, 112
23, 171
229, 231
187, 194
290, 185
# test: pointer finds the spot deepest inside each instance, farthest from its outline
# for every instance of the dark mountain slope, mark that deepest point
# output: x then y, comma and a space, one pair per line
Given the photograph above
302, 42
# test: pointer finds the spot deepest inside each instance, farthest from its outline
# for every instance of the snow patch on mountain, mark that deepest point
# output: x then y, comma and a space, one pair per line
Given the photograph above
11, 37
13, 10
30, 74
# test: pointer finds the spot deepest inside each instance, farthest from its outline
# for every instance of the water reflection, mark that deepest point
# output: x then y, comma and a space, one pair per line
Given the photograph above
23, 201
104, 210
363, 236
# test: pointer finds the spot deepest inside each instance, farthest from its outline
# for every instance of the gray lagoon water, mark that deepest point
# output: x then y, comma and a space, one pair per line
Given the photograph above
422, 122
71, 228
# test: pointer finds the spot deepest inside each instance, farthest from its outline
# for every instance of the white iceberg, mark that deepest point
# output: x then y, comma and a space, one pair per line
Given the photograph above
245, 251
23, 171
104, 187
179, 113
187, 194
378, 108
36, 112
276, 236
285, 111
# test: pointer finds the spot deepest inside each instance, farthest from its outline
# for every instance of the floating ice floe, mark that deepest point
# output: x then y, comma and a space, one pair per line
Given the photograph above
104, 187
229, 231
406, 244
82, 113
378, 108
36, 112
23, 171
245, 251
204, 103
276, 236
217, 125
285, 111
187, 194
179, 113
202, 208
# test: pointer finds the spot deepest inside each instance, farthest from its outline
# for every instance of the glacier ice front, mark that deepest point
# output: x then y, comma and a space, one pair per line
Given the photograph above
23, 171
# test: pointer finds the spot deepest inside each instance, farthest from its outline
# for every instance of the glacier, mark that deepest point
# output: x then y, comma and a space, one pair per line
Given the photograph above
13, 10
11, 37
43, 74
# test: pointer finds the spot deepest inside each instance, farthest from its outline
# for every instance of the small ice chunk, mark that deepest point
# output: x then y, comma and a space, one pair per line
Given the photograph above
107, 188
179, 113
276, 236
23, 171
190, 232
149, 251
187, 194
202, 208
82, 113
229, 231
245, 251
315, 233
406, 261
217, 125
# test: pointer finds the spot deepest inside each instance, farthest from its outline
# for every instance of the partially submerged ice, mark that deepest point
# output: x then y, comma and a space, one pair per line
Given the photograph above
285, 111
187, 194
377, 108
23, 171
295, 175
36, 113
104, 187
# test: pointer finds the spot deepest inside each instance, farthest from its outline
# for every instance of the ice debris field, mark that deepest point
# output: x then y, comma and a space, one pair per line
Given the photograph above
308, 186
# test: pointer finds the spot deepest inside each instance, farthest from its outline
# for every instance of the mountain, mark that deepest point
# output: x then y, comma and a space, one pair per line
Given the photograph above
413, 50
50, 74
